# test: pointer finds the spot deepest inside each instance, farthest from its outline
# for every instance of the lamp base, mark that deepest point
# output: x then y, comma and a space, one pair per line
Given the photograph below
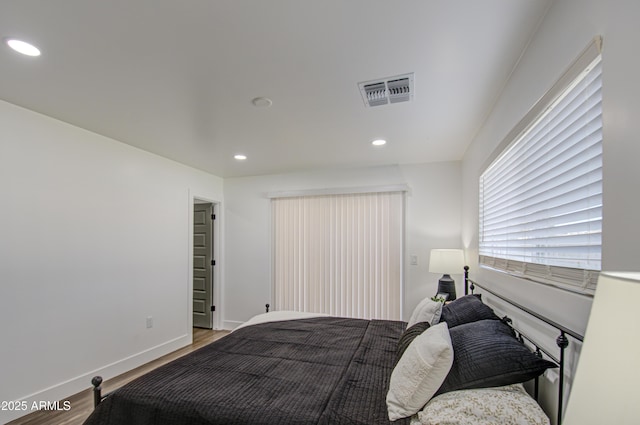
447, 285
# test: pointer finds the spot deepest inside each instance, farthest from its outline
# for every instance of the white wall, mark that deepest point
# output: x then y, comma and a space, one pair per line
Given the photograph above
94, 237
563, 34
432, 221
621, 109
434, 208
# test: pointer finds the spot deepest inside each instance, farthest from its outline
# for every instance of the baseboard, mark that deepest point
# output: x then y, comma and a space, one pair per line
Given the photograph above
72, 386
229, 325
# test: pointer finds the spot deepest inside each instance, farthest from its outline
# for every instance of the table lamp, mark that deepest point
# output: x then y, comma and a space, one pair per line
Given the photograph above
446, 261
605, 388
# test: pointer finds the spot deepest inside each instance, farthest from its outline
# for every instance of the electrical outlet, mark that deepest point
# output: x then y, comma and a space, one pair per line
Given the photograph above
149, 322
414, 260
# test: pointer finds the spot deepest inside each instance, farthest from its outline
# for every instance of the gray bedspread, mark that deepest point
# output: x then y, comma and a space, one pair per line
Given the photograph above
322, 370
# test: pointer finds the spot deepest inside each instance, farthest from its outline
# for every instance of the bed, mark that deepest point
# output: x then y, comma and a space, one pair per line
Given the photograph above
333, 370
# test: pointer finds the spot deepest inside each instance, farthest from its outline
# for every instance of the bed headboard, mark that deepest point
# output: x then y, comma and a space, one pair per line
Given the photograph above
561, 341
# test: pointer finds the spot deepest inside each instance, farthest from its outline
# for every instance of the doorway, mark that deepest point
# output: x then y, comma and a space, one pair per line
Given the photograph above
203, 264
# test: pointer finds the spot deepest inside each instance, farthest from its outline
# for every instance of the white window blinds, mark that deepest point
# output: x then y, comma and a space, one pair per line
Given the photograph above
339, 254
541, 199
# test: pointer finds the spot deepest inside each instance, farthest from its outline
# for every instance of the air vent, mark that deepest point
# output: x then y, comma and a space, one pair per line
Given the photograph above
388, 90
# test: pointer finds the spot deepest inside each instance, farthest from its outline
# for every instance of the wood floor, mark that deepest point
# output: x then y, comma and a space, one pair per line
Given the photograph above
82, 402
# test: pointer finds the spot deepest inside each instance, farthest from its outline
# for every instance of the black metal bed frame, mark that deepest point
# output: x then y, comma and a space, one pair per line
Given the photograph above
561, 341
469, 287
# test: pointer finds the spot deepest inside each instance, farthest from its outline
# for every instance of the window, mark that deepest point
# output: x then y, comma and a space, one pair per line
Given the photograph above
339, 254
541, 198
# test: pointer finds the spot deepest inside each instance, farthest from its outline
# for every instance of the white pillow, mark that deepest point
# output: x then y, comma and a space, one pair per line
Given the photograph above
426, 311
420, 372
509, 405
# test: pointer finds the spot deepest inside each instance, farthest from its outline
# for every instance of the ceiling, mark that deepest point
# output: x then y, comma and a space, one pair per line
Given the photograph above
176, 77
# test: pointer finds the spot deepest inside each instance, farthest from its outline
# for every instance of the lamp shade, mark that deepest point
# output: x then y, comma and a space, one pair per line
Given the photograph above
605, 388
446, 261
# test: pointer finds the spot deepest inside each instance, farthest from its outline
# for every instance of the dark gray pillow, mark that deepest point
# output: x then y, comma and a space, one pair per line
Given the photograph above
408, 336
486, 354
469, 308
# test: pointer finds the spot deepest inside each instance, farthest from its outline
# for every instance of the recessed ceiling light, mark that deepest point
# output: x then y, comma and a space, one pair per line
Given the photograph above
261, 102
240, 157
22, 47
379, 142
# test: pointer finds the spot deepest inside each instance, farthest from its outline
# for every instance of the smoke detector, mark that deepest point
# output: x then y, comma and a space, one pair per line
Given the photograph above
387, 90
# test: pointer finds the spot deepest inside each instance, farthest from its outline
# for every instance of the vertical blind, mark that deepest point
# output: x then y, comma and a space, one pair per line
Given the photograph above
339, 254
541, 199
